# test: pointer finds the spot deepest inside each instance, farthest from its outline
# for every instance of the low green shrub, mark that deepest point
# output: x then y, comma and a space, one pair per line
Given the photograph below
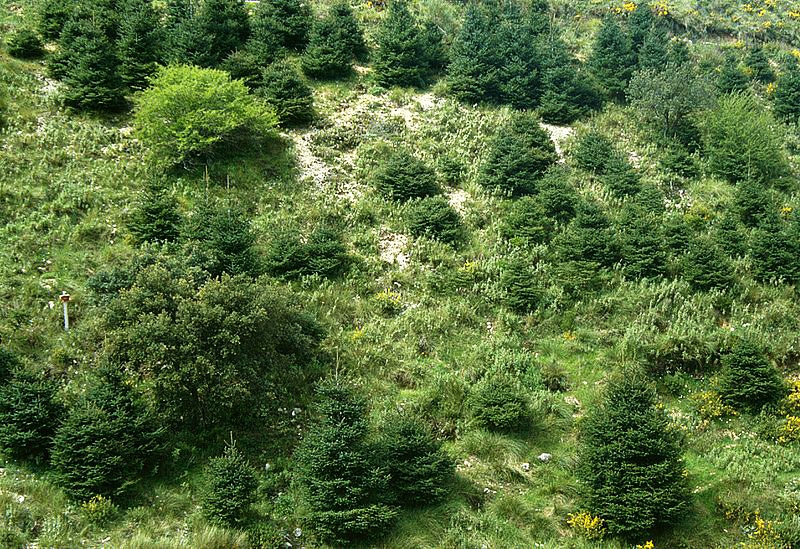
434, 218
748, 380
230, 488
25, 44
402, 176
499, 404
30, 414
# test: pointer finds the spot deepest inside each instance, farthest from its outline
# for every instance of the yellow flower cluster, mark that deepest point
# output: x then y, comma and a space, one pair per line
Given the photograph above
794, 14
469, 267
710, 405
357, 334
765, 529
786, 211
588, 526
771, 87
627, 7
793, 400
647, 545
789, 431
662, 9
389, 301
569, 336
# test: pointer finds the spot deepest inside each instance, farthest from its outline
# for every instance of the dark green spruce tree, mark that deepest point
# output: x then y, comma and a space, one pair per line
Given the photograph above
401, 58
654, 53
230, 488
642, 243
569, 91
90, 68
758, 62
334, 43
187, 41
108, 440
29, 414
344, 486
281, 24
631, 463
612, 60
518, 53
473, 74
640, 25
156, 217
283, 87
419, 469
748, 380
139, 44
706, 267
226, 23
787, 94
519, 155
219, 240
731, 79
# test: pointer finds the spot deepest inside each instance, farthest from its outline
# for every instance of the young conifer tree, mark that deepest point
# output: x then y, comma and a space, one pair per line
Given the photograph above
612, 60
139, 44
342, 482
335, 42
399, 59
631, 461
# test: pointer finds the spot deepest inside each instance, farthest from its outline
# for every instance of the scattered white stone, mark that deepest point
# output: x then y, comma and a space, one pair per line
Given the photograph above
526, 466
20, 499
392, 248
557, 135
458, 200
298, 532
545, 457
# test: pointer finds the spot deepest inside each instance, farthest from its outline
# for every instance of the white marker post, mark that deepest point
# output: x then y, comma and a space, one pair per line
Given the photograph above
64, 297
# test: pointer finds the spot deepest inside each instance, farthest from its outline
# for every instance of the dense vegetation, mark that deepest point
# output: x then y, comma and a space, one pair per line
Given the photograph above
404, 274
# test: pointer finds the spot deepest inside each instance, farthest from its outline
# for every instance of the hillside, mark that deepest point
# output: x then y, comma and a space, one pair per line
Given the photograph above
424, 274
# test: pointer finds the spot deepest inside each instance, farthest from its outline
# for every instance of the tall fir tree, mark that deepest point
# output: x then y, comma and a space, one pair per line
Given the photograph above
631, 461
187, 42
139, 44
283, 87
90, 71
519, 57
775, 251
640, 26
706, 267
399, 59
748, 380
343, 484
654, 53
227, 25
156, 217
642, 243
335, 42
219, 240
612, 60
787, 94
758, 63
281, 24
520, 154
731, 79
473, 75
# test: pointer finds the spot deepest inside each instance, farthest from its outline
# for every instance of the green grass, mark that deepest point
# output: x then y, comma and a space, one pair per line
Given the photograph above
68, 183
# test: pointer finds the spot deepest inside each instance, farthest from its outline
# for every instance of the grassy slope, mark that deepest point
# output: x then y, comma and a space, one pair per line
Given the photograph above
67, 183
